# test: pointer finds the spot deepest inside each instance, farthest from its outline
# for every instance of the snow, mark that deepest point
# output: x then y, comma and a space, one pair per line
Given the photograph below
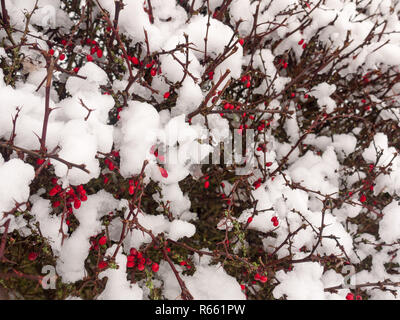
137, 133
389, 226
205, 284
304, 282
324, 175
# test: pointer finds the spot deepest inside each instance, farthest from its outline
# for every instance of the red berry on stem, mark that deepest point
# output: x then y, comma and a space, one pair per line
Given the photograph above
54, 191
155, 267
135, 60
163, 172
350, 296
32, 256
103, 240
140, 267
77, 204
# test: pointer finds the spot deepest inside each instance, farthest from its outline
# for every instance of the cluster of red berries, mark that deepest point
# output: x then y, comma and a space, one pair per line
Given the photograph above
94, 49
262, 125
275, 221
350, 296
110, 163
262, 147
184, 263
95, 244
246, 80
257, 183
283, 63
301, 42
136, 259
72, 196
153, 68
261, 278
224, 197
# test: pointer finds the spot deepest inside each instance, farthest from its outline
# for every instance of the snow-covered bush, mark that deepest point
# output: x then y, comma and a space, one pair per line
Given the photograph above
200, 149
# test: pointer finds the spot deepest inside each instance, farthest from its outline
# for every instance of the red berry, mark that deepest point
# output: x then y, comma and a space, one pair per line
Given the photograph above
54, 191
102, 264
166, 95
103, 240
211, 75
39, 162
241, 41
51, 51
62, 56
99, 53
163, 172
32, 256
153, 72
268, 164
77, 204
76, 69
111, 166
155, 267
89, 58
56, 204
363, 198
140, 267
135, 60
206, 184
249, 220
130, 264
131, 190
350, 296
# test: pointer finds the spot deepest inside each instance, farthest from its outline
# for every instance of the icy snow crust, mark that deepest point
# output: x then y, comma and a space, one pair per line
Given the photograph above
141, 126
